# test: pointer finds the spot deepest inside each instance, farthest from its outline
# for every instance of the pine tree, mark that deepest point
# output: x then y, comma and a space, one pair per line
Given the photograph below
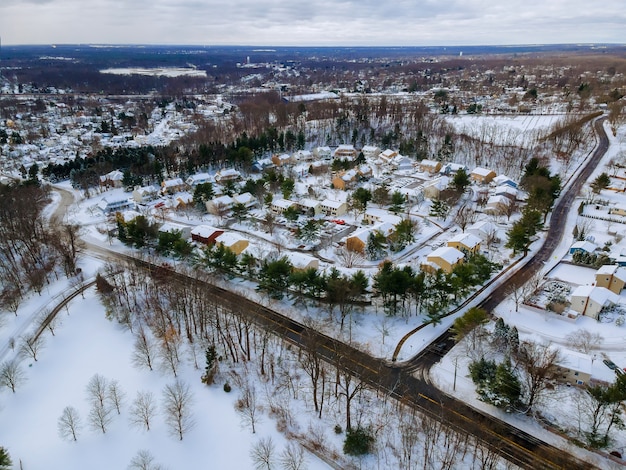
211, 365
5, 460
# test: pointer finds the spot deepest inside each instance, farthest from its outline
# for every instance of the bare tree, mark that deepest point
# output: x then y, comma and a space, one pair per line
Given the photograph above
349, 258
31, 346
69, 424
144, 461
247, 406
539, 365
583, 340
262, 454
115, 395
143, 410
11, 375
177, 400
292, 457
144, 351
99, 417
97, 390
464, 216
169, 350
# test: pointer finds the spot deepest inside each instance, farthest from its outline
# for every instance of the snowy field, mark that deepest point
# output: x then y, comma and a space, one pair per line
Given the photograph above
85, 343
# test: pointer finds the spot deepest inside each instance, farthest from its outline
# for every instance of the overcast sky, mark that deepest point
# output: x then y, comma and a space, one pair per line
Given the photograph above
312, 22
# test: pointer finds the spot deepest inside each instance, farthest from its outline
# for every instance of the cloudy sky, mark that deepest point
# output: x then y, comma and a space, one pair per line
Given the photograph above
312, 22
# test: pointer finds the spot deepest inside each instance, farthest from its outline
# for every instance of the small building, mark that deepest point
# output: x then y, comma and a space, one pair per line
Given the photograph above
444, 258
115, 203
303, 156
430, 166
370, 151
388, 155
246, 199
574, 368
482, 175
228, 174
611, 276
301, 261
465, 242
283, 159
172, 186
483, 229
451, 169
145, 194
171, 227
374, 215
199, 178
401, 163
332, 208
617, 210
497, 205
219, 205
310, 207
233, 241
112, 179
582, 246
357, 241
345, 152
432, 189
280, 205
503, 180
322, 153
590, 300
345, 180
505, 190
205, 234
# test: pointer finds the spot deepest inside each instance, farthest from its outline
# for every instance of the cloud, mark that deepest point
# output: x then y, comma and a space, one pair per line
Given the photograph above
311, 22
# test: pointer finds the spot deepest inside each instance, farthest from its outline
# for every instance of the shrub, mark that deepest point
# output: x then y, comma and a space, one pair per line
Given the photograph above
338, 429
358, 441
227, 387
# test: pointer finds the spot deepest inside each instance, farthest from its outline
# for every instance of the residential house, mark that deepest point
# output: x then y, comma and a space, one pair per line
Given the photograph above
112, 179
503, 180
262, 164
374, 215
507, 191
611, 276
590, 300
171, 227
432, 189
482, 175
304, 156
280, 205
483, 229
357, 241
322, 153
172, 186
246, 199
182, 200
145, 194
370, 151
228, 174
401, 163
233, 241
583, 246
199, 178
444, 258
311, 207
345, 152
365, 171
465, 242
219, 205
115, 203
574, 368
345, 180
332, 208
387, 156
430, 166
283, 159
497, 205
450, 169
301, 261
205, 234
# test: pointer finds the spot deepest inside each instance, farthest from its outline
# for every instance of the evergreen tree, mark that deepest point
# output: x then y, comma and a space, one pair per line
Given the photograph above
211, 365
358, 441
